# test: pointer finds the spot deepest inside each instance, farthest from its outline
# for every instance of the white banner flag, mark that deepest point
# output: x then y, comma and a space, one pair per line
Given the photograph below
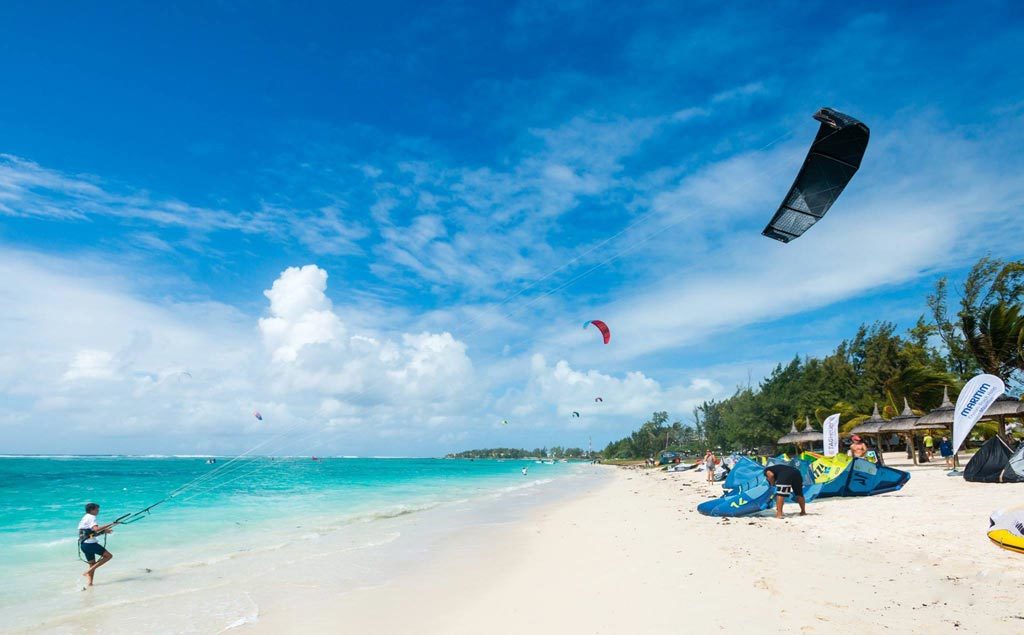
830, 432
974, 400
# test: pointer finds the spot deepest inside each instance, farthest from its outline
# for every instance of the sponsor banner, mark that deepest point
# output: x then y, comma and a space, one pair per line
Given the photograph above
830, 432
974, 400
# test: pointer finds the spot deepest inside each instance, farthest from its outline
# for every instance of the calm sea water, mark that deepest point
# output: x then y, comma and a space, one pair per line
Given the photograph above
227, 527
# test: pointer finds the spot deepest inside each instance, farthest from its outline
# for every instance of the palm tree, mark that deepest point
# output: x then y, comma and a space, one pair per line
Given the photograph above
920, 385
993, 338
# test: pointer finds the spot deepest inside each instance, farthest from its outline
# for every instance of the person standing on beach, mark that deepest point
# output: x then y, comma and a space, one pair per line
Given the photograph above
929, 446
709, 465
946, 450
786, 480
88, 529
858, 449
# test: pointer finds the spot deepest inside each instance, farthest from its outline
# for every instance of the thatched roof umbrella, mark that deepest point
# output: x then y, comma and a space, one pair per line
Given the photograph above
939, 419
789, 437
809, 435
872, 426
1003, 407
903, 424
942, 417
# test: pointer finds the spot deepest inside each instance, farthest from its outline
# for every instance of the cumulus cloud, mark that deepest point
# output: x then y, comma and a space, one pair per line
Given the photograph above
301, 314
563, 389
312, 352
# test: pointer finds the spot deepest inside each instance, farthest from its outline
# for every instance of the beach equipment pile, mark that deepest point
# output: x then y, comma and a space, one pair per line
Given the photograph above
747, 490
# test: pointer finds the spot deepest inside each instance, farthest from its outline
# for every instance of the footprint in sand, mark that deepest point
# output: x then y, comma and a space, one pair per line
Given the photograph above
763, 583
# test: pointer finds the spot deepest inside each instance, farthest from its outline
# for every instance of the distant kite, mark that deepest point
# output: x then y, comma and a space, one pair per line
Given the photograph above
256, 413
832, 161
601, 326
598, 400
504, 422
575, 415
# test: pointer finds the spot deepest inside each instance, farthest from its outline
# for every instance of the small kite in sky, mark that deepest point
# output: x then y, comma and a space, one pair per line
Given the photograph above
601, 326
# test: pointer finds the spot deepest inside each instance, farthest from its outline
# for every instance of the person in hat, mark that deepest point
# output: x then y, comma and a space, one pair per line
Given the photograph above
858, 449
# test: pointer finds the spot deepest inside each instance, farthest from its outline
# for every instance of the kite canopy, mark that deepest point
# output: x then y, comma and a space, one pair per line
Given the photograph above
601, 326
994, 463
832, 161
256, 413
598, 399
842, 476
575, 414
749, 492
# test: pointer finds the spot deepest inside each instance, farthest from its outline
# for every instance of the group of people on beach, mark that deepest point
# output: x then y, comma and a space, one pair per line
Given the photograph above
945, 449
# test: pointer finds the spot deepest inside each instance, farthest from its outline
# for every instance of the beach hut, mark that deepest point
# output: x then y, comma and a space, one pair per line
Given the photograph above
871, 427
903, 424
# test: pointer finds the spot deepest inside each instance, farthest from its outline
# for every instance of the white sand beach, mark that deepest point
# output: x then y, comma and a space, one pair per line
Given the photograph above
633, 555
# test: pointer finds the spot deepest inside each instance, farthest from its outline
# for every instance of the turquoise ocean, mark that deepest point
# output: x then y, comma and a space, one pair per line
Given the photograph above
194, 564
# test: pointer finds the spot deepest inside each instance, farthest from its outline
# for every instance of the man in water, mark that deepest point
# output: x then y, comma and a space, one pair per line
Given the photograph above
858, 449
786, 480
88, 529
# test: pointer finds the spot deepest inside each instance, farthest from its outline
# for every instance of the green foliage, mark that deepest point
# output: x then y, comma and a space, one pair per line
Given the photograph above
876, 366
517, 453
987, 333
655, 436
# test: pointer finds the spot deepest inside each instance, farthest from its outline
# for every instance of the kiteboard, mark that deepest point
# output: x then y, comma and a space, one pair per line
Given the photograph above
1007, 540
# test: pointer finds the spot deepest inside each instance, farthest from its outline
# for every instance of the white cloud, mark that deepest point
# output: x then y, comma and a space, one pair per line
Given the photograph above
300, 313
744, 92
30, 190
91, 364
562, 389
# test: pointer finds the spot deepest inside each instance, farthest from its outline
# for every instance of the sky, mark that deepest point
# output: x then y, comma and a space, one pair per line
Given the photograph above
382, 226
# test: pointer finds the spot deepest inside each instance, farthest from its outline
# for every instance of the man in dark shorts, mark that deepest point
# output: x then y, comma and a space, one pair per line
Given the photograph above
88, 529
786, 480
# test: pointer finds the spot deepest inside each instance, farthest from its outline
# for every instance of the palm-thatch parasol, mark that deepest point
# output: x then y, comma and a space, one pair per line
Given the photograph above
809, 435
872, 426
903, 423
942, 417
1004, 406
939, 419
789, 437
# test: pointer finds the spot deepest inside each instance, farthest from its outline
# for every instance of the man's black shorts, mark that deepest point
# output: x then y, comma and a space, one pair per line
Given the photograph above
786, 475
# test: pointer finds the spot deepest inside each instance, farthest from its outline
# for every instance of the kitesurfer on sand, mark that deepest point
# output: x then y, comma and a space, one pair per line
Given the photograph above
786, 480
88, 529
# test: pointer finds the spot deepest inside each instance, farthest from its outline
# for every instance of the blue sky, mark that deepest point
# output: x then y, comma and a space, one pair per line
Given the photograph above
383, 225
